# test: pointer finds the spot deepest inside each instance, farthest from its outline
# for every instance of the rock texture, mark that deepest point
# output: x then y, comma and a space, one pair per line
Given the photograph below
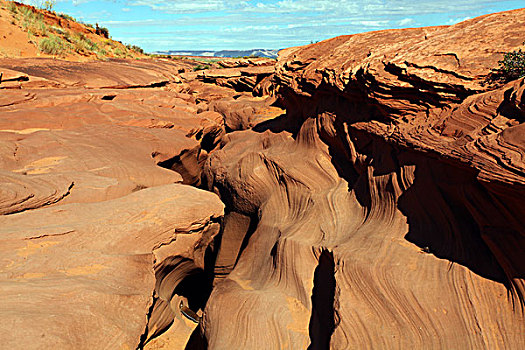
384, 210
98, 238
84, 276
240, 79
372, 184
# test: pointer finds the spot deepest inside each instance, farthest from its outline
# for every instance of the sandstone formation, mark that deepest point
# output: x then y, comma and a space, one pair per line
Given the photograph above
240, 79
85, 276
384, 210
95, 234
102, 246
246, 62
372, 193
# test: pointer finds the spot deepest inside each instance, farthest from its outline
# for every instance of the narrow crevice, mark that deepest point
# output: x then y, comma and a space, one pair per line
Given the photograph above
254, 223
153, 85
144, 335
194, 284
197, 341
323, 318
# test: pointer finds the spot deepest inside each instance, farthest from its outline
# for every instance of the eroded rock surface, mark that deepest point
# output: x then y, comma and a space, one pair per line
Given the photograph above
98, 237
84, 276
384, 210
240, 79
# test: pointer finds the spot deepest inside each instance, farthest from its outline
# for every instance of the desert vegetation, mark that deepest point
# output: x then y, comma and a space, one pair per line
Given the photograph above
43, 29
512, 66
52, 45
201, 67
102, 31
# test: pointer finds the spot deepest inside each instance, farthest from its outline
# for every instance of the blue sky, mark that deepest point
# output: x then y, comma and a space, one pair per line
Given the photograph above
271, 24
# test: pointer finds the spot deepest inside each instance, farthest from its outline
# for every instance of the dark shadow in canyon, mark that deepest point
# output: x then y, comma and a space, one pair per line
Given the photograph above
196, 288
197, 341
277, 125
254, 223
188, 164
323, 321
445, 207
236, 232
197, 299
441, 224
188, 281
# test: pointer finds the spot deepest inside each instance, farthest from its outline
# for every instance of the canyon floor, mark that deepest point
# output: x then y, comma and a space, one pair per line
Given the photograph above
363, 192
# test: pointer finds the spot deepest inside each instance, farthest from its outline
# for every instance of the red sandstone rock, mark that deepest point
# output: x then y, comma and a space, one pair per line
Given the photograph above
246, 62
239, 79
94, 232
385, 209
84, 276
245, 112
115, 73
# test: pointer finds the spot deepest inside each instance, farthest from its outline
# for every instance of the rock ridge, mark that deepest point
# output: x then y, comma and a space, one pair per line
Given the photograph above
397, 171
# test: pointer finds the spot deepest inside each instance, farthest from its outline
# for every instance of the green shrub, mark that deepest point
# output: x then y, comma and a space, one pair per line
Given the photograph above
42, 28
135, 48
81, 43
52, 45
119, 53
59, 30
26, 13
68, 17
110, 43
201, 67
33, 22
89, 44
12, 7
513, 65
102, 31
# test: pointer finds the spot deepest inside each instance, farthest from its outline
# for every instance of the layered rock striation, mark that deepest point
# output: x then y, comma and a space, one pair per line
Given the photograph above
371, 196
98, 235
384, 209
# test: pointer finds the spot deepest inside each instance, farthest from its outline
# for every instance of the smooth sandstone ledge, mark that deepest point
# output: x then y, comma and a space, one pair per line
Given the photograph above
82, 276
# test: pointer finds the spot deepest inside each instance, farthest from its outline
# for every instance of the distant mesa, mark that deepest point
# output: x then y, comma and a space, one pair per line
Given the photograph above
224, 53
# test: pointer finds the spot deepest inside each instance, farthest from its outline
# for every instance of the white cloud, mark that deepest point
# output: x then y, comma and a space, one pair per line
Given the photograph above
343, 7
374, 23
191, 6
457, 20
213, 24
405, 22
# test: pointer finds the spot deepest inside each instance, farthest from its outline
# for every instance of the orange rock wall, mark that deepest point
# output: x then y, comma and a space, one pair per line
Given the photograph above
385, 209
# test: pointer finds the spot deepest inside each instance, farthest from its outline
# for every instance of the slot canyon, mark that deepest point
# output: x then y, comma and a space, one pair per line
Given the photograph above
363, 192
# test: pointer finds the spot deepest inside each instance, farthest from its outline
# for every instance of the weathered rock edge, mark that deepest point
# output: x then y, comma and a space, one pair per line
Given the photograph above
384, 210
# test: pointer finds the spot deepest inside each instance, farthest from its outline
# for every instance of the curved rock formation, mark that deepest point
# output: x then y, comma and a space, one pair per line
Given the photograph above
65, 279
384, 210
240, 79
98, 241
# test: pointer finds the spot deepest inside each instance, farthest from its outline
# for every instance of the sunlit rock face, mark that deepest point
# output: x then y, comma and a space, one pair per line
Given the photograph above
365, 192
384, 210
97, 234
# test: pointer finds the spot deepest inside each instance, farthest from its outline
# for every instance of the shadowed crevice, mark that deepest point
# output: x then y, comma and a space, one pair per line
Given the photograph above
322, 321
197, 341
188, 164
